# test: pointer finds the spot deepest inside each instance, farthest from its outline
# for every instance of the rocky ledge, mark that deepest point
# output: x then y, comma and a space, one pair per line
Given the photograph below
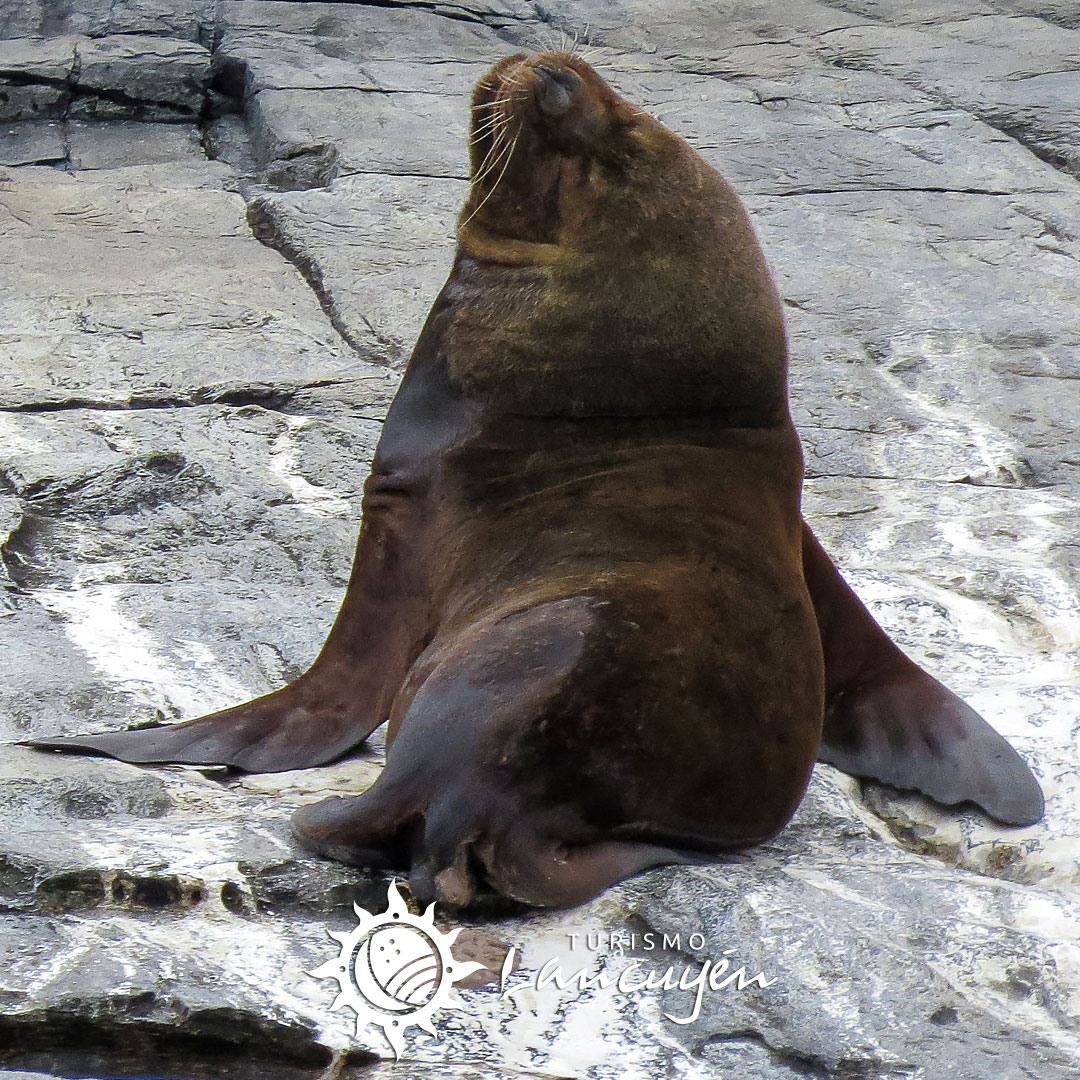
223, 224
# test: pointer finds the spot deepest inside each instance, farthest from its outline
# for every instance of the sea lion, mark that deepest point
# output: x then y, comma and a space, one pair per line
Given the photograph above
583, 593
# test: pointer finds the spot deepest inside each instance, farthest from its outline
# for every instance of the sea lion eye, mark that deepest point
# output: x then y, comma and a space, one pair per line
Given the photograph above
557, 88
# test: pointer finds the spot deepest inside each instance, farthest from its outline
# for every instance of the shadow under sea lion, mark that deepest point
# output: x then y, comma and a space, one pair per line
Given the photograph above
583, 594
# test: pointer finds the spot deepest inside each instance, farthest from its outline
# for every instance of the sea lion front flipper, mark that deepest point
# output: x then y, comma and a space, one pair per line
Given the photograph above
323, 714
383, 621
887, 719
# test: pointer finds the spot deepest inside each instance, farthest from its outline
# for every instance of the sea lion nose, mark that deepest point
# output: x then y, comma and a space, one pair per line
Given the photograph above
557, 88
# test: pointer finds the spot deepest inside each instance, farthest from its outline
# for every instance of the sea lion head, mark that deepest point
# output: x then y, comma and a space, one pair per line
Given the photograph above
549, 139
608, 268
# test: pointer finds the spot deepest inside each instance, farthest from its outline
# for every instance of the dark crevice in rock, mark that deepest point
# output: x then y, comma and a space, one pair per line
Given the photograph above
1021, 374
814, 1066
135, 108
134, 485
1002, 477
22, 78
25, 890
54, 162
76, 890
271, 398
889, 190
1022, 133
83, 890
301, 167
13, 557
147, 1034
17, 882
1063, 20
418, 175
296, 168
264, 226
307, 889
163, 112
455, 12
559, 23
155, 892
1033, 143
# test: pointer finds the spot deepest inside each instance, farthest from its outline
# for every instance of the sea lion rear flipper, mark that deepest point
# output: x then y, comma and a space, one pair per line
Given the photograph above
543, 872
887, 719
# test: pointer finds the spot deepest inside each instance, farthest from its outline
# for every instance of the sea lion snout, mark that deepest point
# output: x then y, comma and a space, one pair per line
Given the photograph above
556, 88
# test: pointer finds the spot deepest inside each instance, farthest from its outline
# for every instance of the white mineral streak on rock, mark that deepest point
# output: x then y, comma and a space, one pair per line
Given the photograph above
988, 975
284, 464
995, 449
1020, 673
1059, 926
54, 968
189, 682
564, 1032
1028, 561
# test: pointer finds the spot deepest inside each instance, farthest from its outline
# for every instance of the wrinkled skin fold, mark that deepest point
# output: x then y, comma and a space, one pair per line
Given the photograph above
583, 594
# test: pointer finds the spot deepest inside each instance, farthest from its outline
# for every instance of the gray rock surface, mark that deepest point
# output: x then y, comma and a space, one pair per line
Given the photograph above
223, 226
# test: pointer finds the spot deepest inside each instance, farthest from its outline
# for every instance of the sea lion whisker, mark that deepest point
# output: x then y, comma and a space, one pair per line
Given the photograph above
489, 133
487, 167
509, 158
490, 122
493, 114
495, 133
499, 160
496, 138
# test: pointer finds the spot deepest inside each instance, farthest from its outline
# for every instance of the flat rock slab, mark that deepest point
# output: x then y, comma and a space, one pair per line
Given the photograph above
224, 225
103, 78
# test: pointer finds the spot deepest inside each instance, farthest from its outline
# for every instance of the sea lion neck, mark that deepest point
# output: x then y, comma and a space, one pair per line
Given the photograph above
605, 268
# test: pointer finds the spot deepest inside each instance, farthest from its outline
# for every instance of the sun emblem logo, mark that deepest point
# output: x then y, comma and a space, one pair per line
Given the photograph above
395, 970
